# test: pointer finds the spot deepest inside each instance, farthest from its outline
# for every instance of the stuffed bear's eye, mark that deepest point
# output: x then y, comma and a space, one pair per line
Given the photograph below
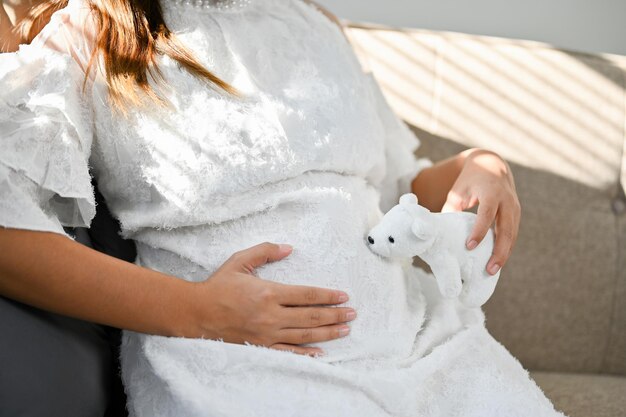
391, 239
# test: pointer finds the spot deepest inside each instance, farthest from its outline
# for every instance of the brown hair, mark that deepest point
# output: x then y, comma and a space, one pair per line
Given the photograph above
131, 34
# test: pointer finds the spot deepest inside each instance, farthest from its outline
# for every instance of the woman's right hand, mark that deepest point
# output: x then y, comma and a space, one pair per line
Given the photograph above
236, 306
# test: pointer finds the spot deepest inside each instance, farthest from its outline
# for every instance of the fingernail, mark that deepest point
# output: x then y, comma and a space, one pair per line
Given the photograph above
344, 330
471, 244
343, 297
351, 315
493, 269
319, 353
283, 247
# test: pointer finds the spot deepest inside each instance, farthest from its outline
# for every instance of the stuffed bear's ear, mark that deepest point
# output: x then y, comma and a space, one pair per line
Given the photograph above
421, 229
408, 199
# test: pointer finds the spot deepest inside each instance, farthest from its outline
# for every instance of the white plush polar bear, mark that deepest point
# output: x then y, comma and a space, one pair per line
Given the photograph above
409, 229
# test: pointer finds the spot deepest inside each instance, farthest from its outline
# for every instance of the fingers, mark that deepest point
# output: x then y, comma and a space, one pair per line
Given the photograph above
485, 216
306, 317
313, 335
454, 202
301, 295
300, 350
459, 198
249, 259
506, 234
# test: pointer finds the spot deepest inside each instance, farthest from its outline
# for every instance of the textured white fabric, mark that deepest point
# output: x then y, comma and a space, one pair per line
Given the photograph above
409, 230
304, 158
46, 129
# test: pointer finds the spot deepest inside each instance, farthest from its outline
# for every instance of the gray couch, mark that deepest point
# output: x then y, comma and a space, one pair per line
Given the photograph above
559, 118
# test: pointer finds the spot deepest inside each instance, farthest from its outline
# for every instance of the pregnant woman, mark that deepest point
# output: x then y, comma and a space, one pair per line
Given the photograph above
213, 126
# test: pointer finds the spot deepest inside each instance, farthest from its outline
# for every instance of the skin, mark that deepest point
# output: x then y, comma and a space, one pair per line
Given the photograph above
9, 41
233, 305
12, 12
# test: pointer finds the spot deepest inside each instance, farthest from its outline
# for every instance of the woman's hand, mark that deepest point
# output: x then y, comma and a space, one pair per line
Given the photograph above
233, 305
485, 179
238, 307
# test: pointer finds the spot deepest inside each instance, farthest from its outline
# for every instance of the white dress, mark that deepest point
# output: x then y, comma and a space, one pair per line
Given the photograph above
308, 156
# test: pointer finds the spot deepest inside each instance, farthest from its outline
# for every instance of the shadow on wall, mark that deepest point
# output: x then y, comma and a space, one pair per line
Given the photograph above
538, 106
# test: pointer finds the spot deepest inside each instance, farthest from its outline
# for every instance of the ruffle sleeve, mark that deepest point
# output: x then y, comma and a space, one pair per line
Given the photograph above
401, 163
45, 141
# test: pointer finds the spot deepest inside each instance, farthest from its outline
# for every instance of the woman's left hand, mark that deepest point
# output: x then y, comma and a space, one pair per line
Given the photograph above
486, 180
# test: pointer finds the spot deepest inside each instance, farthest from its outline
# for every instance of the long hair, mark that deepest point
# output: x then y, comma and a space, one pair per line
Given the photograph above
130, 36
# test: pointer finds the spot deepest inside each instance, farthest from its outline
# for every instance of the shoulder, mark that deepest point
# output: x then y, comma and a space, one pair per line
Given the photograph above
326, 12
13, 17
8, 38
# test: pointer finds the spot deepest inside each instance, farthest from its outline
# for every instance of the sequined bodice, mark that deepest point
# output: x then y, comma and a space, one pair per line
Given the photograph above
222, 5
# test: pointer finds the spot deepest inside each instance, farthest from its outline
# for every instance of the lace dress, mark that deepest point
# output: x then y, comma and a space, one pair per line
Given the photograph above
310, 155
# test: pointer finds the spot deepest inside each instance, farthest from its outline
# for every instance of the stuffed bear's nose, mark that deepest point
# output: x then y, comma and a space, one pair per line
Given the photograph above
370, 240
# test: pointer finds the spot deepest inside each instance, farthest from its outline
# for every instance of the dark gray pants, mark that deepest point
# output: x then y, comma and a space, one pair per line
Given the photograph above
51, 365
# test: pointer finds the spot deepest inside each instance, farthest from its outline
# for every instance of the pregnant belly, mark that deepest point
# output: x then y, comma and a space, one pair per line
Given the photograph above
327, 227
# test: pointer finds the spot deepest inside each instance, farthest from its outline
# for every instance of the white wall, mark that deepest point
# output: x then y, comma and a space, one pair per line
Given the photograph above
583, 25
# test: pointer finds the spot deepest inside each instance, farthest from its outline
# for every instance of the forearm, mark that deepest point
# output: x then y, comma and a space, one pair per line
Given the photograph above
55, 273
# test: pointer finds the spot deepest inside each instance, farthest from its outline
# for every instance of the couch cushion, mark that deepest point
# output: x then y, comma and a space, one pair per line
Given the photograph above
554, 302
615, 359
584, 395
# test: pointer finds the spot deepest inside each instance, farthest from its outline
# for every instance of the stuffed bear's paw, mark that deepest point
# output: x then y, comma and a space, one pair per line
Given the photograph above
451, 289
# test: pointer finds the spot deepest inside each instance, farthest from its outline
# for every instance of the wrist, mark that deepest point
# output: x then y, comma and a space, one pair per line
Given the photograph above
487, 160
191, 311
180, 310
